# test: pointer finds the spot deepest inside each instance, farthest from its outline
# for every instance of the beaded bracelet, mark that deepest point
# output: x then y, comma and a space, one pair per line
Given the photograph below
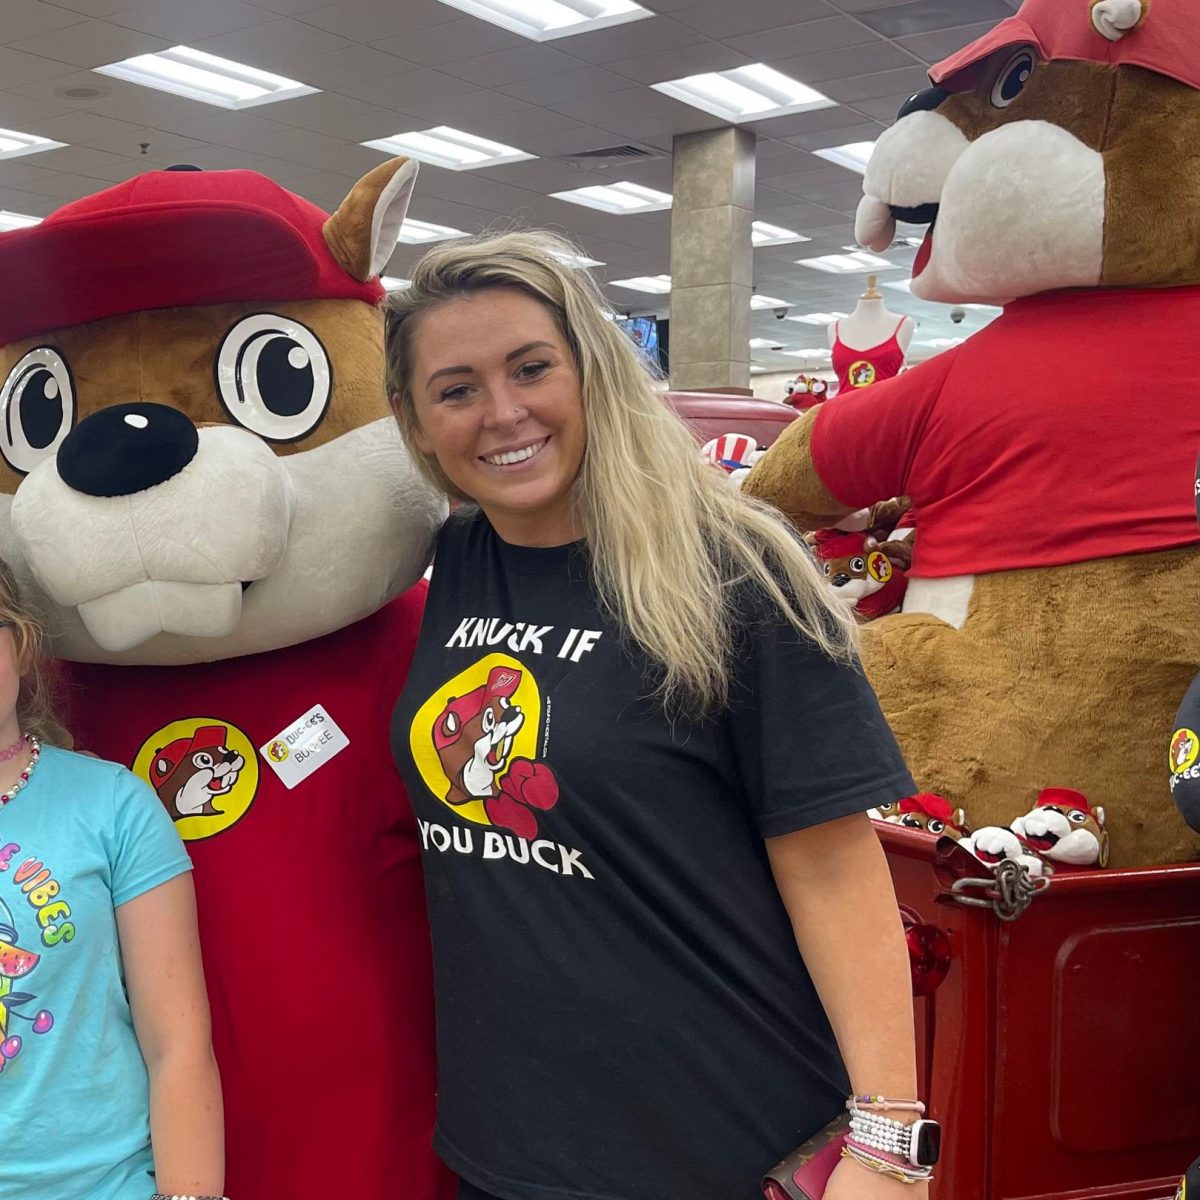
873, 1161
174, 1196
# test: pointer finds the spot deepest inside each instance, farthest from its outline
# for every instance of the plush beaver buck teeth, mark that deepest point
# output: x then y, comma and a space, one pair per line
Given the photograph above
514, 456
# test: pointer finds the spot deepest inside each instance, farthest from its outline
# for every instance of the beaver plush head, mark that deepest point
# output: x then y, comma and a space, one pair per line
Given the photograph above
1059, 150
196, 455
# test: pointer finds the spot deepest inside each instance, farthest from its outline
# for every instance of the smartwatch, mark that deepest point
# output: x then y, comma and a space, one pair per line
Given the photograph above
925, 1144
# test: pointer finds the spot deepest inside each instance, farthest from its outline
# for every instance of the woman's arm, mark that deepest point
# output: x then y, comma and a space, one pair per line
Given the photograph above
835, 884
161, 950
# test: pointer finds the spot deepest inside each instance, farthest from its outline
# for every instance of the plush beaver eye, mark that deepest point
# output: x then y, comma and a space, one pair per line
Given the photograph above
935, 826
274, 377
1012, 79
38, 402
1076, 816
826, 568
858, 565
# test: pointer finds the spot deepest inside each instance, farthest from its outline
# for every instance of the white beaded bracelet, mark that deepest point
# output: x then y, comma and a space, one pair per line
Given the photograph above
174, 1196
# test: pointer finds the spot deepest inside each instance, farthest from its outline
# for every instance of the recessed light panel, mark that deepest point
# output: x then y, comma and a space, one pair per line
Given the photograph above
762, 234
812, 352
852, 263
450, 148
543, 20
854, 156
576, 260
659, 284
414, 231
183, 71
12, 220
620, 198
745, 93
14, 144
757, 301
394, 283
820, 318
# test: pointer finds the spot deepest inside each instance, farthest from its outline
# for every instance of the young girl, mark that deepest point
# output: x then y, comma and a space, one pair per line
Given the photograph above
104, 1033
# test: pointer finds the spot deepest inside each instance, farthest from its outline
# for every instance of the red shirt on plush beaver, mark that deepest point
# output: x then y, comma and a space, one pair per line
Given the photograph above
1056, 570
212, 500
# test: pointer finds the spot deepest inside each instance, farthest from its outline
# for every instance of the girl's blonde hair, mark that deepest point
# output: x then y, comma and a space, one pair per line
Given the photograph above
671, 540
35, 705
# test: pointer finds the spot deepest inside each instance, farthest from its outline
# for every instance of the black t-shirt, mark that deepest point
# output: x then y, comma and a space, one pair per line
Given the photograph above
622, 1010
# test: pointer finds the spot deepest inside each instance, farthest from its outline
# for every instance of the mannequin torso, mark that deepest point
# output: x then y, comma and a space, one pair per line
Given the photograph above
870, 325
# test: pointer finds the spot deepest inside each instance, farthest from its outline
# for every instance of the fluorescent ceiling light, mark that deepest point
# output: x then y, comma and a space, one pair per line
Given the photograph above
620, 198
758, 370
854, 156
901, 285
659, 284
543, 20
393, 283
820, 318
12, 220
576, 260
14, 144
450, 148
818, 352
852, 263
942, 343
763, 344
762, 234
414, 231
757, 301
745, 93
207, 78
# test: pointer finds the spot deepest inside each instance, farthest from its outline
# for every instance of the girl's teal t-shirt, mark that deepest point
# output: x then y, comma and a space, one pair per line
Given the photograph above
81, 839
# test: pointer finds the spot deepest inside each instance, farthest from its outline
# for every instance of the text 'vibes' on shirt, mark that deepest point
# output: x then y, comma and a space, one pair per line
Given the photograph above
83, 838
618, 986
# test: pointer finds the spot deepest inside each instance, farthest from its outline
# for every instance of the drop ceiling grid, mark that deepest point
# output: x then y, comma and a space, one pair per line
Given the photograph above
389, 65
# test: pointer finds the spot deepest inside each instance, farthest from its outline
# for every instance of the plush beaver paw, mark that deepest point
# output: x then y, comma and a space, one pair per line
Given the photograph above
993, 844
526, 786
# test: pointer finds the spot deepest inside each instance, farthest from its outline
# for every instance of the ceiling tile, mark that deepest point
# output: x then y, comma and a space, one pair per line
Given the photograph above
920, 16
676, 64
633, 102
17, 110
349, 65
315, 111
88, 44
19, 173
375, 20
510, 66
851, 61
92, 8
78, 127
566, 85
437, 44
810, 37
367, 123
730, 18
288, 7
186, 20
865, 131
809, 122
275, 45
633, 38
26, 19
418, 91
161, 146
933, 47
63, 186
885, 83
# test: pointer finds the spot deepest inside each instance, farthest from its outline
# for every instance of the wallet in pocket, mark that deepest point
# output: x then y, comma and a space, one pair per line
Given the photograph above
804, 1174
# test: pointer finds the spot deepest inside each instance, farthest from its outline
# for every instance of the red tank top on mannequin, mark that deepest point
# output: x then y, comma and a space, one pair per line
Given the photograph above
861, 368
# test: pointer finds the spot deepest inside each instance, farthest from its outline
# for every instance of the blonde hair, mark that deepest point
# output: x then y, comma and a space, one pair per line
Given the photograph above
671, 541
35, 704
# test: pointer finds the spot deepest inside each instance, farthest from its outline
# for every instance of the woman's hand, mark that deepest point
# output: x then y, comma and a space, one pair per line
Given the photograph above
853, 1181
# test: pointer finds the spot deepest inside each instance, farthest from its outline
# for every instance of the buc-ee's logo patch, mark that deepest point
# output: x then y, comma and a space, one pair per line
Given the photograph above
205, 772
1184, 748
879, 567
475, 743
862, 373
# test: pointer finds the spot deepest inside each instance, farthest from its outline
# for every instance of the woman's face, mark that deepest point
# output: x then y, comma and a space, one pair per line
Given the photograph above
498, 404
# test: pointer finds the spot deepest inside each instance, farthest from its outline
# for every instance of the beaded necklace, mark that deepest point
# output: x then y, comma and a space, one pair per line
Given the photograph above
35, 752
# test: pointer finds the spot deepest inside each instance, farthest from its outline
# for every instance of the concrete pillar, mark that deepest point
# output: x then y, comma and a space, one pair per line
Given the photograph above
712, 262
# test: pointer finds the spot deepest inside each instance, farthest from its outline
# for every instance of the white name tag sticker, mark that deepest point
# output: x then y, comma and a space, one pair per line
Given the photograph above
305, 746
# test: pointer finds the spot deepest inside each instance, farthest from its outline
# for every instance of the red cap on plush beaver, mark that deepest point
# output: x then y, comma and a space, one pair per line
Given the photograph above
1160, 36
168, 759
501, 681
170, 239
833, 543
1067, 798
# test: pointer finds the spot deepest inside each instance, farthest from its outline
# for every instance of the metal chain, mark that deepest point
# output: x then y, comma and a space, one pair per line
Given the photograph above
1008, 894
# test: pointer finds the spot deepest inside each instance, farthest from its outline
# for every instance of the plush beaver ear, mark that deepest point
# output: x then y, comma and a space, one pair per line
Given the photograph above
362, 234
1115, 18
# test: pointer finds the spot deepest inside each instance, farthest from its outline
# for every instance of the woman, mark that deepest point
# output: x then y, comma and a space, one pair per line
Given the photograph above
640, 753
108, 1086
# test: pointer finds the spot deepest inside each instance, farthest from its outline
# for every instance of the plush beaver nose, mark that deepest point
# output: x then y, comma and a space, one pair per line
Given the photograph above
127, 449
925, 101
840, 579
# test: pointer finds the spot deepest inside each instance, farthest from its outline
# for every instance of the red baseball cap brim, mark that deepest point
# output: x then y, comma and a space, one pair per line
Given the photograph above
956, 71
163, 255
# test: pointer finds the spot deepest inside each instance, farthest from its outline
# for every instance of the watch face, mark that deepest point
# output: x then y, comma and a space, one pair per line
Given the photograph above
928, 1143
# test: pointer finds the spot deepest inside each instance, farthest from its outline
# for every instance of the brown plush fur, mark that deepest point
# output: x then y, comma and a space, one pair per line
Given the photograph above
973, 709
167, 356
786, 478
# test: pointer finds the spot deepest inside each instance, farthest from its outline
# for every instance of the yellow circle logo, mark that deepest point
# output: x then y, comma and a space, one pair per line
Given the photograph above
278, 751
205, 772
862, 374
879, 567
466, 736
1184, 748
